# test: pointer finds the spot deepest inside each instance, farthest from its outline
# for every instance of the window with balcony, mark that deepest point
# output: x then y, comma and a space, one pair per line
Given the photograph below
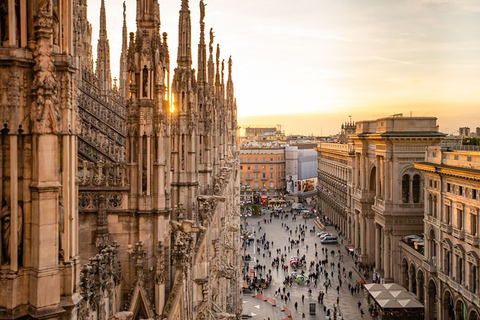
271, 185
256, 175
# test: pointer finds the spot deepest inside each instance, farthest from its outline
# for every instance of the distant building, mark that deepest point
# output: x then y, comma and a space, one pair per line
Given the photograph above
262, 173
464, 131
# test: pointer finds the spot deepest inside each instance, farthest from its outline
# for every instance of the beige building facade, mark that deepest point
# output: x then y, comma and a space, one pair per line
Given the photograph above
446, 274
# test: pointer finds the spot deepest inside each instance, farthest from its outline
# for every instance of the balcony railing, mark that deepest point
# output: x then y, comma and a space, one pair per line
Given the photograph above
471, 239
458, 233
446, 228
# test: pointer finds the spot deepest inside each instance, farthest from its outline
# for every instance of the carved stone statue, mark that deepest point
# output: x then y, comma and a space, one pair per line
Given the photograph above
6, 231
212, 36
202, 11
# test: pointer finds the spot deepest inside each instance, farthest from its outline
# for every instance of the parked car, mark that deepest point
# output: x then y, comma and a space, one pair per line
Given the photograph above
325, 235
329, 240
321, 233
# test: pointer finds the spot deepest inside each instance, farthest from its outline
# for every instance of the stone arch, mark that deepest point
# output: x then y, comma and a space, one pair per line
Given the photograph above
432, 300
460, 311
473, 315
447, 302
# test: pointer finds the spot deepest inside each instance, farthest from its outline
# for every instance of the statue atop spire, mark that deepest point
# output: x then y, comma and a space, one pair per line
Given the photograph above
212, 36
202, 11
230, 68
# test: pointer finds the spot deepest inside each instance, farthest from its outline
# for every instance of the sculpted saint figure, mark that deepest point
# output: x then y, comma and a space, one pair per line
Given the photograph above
202, 11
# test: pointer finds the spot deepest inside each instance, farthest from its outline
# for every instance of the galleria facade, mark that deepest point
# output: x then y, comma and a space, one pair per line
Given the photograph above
395, 180
118, 200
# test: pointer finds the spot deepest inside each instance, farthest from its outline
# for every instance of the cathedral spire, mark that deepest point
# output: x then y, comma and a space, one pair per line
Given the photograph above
230, 94
211, 66
123, 56
103, 73
184, 56
202, 48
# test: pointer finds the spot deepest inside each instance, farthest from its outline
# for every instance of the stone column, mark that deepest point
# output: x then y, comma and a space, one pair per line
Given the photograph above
386, 253
14, 203
377, 246
355, 172
387, 179
356, 242
362, 172
410, 280
148, 160
362, 234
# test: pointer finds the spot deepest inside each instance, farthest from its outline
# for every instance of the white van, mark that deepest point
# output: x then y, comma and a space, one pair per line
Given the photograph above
329, 240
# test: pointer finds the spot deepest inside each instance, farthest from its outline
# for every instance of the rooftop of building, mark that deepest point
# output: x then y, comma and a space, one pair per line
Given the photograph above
398, 125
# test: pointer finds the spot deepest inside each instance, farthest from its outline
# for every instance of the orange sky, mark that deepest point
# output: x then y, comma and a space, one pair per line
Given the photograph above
324, 60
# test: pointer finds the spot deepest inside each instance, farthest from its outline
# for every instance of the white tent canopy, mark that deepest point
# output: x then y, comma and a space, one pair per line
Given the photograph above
392, 296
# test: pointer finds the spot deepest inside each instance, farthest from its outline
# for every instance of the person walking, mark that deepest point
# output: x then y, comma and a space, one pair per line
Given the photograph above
296, 305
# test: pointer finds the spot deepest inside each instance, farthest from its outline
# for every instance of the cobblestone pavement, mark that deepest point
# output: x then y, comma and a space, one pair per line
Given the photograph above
348, 303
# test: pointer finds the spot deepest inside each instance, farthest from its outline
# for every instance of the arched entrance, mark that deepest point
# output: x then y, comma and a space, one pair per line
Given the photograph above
473, 315
432, 301
460, 310
448, 313
405, 273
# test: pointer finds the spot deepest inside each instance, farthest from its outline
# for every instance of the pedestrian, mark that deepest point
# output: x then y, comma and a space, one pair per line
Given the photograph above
296, 305
303, 299
303, 315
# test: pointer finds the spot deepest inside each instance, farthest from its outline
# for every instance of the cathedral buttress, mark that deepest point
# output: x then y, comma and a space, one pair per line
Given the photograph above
184, 121
148, 143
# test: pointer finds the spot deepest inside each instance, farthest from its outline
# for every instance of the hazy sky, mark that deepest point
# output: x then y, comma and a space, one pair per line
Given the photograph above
324, 60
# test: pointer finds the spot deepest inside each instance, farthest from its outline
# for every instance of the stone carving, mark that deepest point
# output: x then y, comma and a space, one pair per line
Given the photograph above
160, 274
206, 206
101, 273
5, 218
45, 109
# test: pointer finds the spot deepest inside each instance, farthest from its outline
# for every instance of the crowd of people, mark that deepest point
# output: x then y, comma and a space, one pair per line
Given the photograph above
317, 275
